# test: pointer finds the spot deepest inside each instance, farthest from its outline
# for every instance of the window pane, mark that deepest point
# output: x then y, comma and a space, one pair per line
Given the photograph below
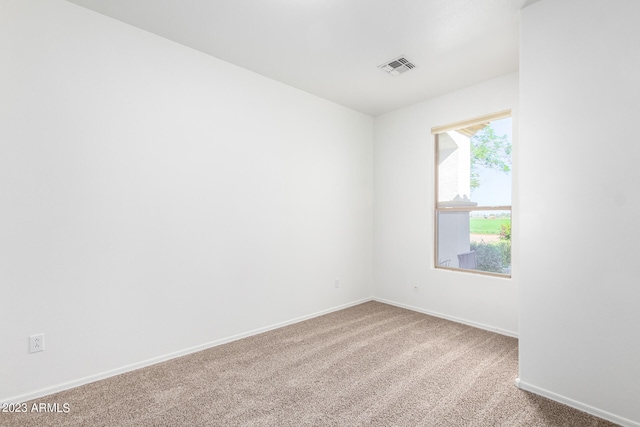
474, 165
475, 240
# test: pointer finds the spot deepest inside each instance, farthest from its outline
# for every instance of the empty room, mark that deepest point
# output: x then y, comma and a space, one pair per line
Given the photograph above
319, 212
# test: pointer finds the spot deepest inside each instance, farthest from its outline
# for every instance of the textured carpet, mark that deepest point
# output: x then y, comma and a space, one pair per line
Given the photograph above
368, 365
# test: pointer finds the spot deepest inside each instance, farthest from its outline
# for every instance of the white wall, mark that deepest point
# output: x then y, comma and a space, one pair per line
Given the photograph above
155, 199
404, 221
580, 275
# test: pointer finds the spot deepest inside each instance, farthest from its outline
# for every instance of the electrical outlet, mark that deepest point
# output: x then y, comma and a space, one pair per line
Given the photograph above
416, 288
337, 283
36, 343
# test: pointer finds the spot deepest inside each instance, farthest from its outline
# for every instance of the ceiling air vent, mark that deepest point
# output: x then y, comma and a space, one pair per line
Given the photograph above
397, 66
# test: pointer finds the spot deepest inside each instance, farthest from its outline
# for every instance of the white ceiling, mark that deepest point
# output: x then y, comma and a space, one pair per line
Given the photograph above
332, 48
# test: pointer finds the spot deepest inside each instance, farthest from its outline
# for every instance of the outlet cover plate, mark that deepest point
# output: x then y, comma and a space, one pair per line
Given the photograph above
36, 343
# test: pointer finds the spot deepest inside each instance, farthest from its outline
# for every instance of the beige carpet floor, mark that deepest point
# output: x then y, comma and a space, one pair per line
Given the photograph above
368, 365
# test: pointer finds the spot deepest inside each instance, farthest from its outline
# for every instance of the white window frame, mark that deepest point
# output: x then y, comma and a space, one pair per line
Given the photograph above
435, 131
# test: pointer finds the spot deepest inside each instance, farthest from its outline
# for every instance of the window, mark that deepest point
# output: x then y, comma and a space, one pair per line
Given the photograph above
473, 195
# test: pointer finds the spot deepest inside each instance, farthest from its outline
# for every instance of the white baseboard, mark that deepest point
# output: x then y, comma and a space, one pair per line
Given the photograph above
132, 367
575, 404
452, 318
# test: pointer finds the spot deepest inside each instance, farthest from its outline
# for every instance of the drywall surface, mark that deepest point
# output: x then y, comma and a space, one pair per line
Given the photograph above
404, 217
155, 199
579, 286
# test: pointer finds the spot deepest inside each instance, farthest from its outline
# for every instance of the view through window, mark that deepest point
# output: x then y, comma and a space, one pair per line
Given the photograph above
473, 195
